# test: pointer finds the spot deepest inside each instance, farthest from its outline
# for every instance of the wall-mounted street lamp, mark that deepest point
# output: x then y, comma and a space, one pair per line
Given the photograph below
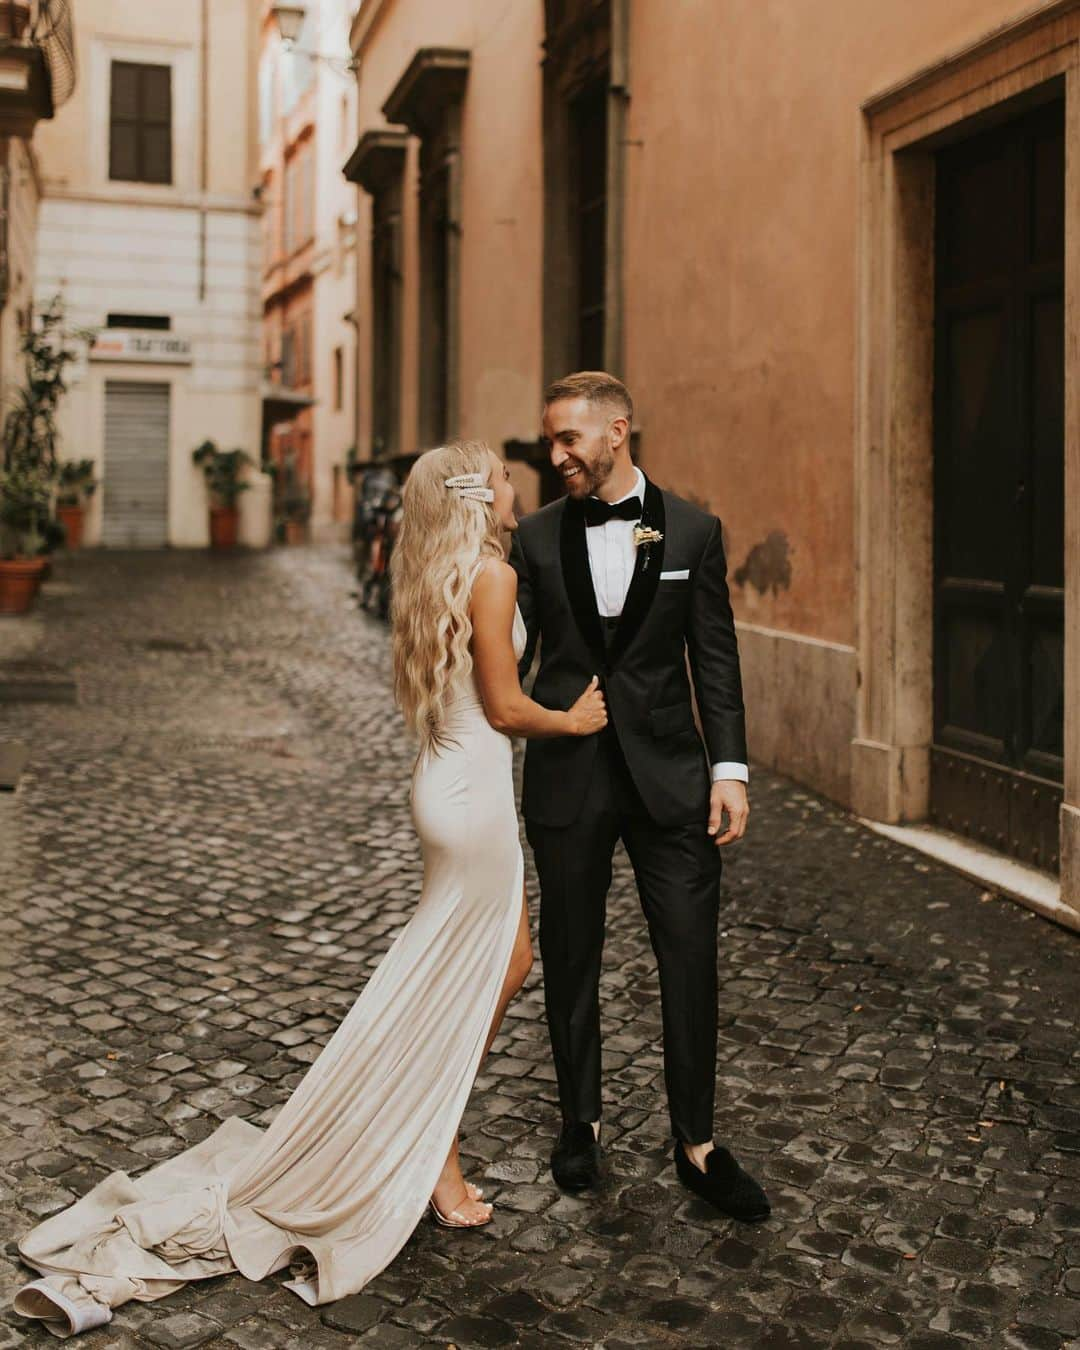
290, 22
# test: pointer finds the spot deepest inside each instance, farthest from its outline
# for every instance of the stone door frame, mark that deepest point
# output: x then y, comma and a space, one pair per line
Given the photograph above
1035, 58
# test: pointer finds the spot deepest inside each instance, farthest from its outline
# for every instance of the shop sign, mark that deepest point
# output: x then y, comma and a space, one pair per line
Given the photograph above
131, 344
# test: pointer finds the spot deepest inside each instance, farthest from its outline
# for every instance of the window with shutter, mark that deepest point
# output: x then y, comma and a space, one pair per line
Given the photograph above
287, 209
140, 123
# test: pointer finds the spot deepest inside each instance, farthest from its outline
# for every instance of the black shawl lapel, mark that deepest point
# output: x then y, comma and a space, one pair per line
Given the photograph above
578, 579
648, 565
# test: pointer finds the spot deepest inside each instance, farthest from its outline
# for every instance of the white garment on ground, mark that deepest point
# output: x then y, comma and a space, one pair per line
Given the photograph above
337, 1183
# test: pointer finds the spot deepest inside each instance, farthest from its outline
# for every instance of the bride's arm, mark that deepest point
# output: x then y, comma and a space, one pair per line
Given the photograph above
506, 707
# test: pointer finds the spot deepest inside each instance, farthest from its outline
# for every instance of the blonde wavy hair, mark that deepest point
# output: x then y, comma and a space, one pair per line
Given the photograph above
441, 542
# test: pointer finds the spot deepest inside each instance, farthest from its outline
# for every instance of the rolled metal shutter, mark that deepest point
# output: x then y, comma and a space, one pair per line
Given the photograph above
135, 488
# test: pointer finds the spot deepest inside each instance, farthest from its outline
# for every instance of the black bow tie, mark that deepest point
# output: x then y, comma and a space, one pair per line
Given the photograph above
599, 513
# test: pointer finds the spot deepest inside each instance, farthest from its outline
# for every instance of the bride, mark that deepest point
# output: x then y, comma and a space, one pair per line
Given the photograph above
368, 1140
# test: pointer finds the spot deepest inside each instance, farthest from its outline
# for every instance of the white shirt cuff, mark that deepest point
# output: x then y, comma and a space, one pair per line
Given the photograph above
730, 768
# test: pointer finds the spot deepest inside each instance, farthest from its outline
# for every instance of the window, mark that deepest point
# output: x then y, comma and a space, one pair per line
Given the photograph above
298, 205
269, 221
288, 207
339, 379
266, 98
297, 369
140, 123
306, 225
298, 66
158, 321
584, 167
428, 99
588, 124
377, 165
288, 357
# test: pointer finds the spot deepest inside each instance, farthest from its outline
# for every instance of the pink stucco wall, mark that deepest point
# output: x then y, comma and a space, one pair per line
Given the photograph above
741, 229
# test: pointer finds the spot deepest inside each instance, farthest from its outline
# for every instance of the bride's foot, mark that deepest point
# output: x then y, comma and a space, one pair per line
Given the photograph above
451, 1181
455, 1207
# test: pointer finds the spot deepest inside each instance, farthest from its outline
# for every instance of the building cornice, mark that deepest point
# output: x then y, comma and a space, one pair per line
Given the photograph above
379, 156
364, 24
433, 79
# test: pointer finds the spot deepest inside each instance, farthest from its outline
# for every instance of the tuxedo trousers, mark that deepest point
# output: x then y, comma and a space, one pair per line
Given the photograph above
677, 869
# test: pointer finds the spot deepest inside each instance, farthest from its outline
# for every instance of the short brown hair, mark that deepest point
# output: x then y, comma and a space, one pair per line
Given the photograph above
595, 385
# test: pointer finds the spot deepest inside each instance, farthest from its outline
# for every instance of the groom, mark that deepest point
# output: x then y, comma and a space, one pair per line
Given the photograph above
626, 581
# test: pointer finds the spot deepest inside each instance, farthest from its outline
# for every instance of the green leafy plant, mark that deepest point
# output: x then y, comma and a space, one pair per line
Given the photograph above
30, 435
75, 482
223, 470
25, 494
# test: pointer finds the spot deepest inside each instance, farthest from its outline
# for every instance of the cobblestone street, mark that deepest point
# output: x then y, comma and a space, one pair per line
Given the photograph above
209, 852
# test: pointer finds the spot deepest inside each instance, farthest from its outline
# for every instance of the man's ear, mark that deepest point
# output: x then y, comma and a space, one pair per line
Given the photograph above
620, 430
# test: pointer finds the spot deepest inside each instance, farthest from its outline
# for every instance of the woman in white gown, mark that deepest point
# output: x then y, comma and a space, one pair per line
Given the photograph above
337, 1183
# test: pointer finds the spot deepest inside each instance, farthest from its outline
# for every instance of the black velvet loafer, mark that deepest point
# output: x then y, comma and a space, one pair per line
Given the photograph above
575, 1159
724, 1184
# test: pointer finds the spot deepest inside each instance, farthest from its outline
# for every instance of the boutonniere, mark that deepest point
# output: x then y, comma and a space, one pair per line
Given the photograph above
644, 534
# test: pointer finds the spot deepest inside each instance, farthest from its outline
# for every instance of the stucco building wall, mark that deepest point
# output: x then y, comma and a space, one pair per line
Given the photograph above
743, 283
188, 250
501, 242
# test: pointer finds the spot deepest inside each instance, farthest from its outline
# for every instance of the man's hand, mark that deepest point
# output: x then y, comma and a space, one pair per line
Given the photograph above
728, 794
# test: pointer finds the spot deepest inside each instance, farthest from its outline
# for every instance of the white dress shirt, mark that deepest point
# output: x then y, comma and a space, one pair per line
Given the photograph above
611, 561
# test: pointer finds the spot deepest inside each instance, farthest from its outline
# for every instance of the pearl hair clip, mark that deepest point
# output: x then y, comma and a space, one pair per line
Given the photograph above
471, 486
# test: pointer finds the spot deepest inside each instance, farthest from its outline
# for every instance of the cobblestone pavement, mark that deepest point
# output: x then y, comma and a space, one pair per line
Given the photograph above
211, 850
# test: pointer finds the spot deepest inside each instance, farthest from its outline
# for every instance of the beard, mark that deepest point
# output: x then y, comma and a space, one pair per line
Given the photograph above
593, 474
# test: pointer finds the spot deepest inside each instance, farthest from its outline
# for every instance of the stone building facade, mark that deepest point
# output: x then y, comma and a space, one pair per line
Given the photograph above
307, 101
826, 249
149, 229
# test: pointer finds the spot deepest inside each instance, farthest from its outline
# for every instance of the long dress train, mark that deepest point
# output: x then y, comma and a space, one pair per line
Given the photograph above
337, 1183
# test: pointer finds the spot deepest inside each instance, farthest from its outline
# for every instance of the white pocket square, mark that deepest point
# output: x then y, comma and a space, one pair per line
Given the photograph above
684, 575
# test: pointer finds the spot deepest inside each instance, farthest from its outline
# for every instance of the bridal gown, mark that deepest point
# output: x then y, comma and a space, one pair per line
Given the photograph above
336, 1184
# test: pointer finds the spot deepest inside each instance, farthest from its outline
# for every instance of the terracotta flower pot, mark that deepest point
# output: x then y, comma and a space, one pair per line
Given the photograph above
224, 523
296, 532
72, 517
19, 579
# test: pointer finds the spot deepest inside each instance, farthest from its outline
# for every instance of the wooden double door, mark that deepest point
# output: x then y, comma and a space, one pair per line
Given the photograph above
999, 395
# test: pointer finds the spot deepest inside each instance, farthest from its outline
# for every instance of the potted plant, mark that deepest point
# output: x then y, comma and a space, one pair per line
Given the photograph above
76, 484
25, 492
30, 435
223, 470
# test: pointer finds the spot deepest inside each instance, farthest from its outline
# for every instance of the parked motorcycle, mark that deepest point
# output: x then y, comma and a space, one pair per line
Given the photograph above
376, 520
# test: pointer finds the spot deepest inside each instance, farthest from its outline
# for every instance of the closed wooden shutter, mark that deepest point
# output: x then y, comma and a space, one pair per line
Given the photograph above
135, 488
140, 123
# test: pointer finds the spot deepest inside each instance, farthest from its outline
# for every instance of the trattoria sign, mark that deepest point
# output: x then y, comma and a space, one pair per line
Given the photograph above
131, 344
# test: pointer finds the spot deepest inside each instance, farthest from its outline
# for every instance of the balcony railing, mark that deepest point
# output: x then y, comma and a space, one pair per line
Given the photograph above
37, 62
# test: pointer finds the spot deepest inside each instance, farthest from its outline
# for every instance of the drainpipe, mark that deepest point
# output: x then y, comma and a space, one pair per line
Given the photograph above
204, 139
618, 99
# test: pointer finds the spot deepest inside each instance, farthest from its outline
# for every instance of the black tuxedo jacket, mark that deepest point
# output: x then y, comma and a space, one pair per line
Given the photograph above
643, 669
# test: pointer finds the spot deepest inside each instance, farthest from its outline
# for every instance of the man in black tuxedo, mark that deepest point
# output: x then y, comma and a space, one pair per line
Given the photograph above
624, 580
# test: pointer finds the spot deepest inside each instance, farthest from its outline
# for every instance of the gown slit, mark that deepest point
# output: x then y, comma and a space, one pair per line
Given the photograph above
335, 1185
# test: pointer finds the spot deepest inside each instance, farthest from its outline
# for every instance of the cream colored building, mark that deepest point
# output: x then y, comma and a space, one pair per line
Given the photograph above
149, 228
307, 116
20, 184
37, 76
334, 268
750, 212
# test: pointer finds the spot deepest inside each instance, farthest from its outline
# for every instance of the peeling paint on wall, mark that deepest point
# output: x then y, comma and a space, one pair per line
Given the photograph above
768, 564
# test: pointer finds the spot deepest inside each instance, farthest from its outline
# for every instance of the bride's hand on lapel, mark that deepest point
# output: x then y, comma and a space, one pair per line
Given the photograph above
728, 795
